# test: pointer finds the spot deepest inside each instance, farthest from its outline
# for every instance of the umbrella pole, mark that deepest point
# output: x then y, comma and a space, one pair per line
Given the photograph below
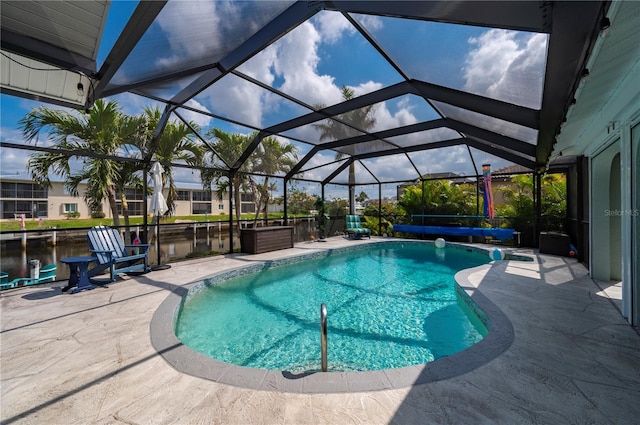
159, 266
158, 237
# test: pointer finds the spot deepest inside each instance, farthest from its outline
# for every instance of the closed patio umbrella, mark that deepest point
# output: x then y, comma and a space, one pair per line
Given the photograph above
158, 205
488, 191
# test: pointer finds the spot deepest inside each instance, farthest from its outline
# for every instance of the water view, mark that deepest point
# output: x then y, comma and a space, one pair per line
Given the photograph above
176, 243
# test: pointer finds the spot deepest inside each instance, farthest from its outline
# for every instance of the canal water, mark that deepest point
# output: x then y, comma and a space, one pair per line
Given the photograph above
176, 243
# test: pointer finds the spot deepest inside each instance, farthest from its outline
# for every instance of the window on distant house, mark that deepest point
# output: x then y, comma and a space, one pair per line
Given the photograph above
201, 208
248, 208
70, 208
199, 195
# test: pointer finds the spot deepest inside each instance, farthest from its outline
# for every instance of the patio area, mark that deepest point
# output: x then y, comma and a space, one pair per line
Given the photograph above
88, 357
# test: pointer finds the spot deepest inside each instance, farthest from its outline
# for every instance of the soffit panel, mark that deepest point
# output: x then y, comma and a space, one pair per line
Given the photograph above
616, 57
29, 78
73, 25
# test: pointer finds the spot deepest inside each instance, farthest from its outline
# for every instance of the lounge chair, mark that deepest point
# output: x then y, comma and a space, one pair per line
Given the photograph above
111, 253
4, 281
47, 274
354, 228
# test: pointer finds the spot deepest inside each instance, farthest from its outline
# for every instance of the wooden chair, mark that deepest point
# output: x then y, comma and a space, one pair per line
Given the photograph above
111, 253
354, 229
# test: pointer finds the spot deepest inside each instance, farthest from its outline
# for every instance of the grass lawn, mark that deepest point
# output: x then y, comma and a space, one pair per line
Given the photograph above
75, 223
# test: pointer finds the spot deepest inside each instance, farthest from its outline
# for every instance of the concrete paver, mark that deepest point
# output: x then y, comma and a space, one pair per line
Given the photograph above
87, 358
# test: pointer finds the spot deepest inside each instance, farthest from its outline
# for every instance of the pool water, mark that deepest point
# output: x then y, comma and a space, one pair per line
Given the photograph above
388, 306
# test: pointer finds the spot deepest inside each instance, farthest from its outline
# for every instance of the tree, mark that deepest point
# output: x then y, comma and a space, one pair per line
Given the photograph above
102, 130
299, 202
357, 120
519, 208
439, 197
271, 157
226, 148
337, 207
176, 143
362, 197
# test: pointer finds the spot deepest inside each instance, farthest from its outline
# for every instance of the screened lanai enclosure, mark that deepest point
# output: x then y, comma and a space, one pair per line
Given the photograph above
365, 96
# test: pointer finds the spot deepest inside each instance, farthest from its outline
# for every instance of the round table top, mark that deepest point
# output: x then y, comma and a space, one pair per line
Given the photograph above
79, 259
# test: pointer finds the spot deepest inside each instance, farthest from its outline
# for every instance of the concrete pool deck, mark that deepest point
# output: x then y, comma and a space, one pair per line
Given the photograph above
88, 358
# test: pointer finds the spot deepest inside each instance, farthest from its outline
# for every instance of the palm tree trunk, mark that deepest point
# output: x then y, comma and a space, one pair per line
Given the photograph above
236, 196
111, 195
127, 222
265, 203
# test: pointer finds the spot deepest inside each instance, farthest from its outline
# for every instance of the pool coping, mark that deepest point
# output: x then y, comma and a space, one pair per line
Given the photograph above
186, 360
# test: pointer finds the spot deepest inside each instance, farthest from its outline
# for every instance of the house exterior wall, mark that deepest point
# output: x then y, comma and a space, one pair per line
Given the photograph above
60, 200
59, 203
601, 125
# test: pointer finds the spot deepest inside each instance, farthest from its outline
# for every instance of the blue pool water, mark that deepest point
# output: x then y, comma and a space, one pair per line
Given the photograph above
388, 306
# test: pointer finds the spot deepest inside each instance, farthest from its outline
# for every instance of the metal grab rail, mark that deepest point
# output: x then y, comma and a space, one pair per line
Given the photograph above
323, 336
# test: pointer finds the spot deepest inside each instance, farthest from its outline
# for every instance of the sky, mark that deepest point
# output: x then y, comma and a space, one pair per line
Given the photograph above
312, 62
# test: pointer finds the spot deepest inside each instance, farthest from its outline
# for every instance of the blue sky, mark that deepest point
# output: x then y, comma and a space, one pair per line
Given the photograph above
317, 58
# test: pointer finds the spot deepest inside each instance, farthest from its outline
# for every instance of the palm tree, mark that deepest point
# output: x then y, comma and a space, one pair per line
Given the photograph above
272, 157
229, 147
176, 143
103, 130
362, 197
330, 129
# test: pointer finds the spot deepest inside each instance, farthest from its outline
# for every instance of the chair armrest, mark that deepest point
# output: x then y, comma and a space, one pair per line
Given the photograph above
99, 251
143, 246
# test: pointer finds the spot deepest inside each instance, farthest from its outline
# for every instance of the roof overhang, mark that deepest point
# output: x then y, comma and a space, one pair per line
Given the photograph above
49, 49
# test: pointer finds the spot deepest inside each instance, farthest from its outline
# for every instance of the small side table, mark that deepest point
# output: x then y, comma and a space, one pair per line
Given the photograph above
79, 273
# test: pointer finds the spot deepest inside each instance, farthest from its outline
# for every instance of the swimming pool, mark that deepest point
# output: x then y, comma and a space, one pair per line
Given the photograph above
390, 305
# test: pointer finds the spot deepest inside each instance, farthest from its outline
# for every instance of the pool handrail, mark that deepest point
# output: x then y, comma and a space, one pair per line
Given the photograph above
323, 336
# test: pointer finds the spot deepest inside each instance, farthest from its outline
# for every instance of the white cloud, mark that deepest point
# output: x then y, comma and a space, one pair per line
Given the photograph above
297, 63
200, 119
319, 159
507, 65
366, 87
237, 99
386, 120
190, 14
332, 25
371, 23
13, 162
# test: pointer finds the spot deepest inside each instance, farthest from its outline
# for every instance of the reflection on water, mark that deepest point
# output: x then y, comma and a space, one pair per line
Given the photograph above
176, 244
